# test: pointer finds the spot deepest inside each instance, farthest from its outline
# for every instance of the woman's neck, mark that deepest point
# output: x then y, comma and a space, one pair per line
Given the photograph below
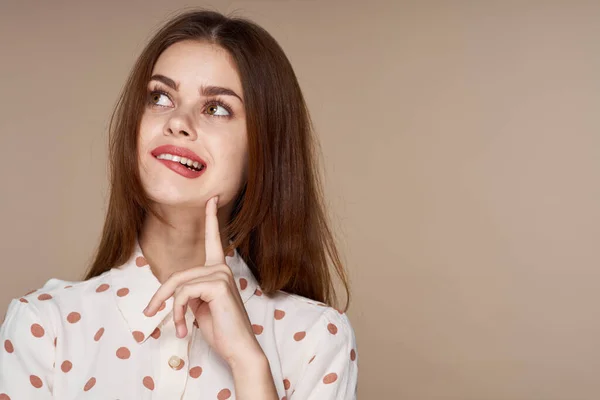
168, 249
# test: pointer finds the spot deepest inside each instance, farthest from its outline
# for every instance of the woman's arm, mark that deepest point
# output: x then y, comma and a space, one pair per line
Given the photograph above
253, 379
211, 293
332, 370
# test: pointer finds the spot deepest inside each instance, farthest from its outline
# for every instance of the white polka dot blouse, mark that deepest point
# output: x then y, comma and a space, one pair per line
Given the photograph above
91, 340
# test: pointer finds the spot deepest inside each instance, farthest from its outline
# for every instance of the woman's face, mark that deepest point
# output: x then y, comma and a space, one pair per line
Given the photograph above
193, 104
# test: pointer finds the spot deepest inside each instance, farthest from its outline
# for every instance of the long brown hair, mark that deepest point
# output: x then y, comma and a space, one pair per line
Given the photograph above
278, 222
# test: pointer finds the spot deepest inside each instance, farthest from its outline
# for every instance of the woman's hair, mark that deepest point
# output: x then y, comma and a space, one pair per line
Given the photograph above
278, 222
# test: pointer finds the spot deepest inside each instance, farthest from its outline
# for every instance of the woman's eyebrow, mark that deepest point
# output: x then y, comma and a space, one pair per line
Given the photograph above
204, 90
167, 81
218, 90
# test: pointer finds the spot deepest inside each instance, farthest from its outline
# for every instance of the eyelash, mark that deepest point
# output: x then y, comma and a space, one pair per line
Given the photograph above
157, 90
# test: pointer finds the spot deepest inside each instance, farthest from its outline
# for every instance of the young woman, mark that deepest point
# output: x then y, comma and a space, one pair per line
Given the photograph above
211, 278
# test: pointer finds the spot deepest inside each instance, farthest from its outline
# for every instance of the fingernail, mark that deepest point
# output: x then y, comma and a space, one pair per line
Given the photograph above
146, 310
216, 200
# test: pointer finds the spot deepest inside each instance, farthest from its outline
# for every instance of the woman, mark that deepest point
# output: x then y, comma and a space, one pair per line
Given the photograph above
211, 278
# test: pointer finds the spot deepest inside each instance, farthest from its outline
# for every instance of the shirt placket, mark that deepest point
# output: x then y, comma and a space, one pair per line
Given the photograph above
173, 362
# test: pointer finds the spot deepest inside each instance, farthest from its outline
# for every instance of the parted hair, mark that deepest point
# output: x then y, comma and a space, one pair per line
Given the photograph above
279, 222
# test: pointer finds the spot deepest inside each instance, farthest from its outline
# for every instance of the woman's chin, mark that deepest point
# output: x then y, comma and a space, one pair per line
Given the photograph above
177, 200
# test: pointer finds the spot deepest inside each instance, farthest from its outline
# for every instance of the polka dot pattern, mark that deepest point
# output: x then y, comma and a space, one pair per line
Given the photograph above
332, 328
66, 366
91, 320
8, 346
37, 330
98, 334
195, 372
155, 334
138, 336
35, 381
90, 384
279, 314
257, 329
73, 317
330, 378
102, 288
140, 262
224, 394
123, 353
148, 382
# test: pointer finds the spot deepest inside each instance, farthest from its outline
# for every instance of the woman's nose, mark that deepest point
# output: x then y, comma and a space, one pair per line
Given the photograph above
180, 124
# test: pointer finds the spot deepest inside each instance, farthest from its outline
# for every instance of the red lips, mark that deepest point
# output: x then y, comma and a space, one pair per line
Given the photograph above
177, 151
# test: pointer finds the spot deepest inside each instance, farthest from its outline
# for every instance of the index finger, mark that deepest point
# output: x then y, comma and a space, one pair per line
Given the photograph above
212, 236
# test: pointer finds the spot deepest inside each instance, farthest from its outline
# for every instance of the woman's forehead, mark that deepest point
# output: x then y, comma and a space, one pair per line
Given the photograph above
195, 63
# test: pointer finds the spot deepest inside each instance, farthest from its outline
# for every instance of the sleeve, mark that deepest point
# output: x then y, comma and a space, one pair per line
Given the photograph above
332, 372
26, 354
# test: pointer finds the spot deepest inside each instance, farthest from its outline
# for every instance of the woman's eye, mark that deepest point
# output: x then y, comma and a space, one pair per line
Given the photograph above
160, 99
212, 109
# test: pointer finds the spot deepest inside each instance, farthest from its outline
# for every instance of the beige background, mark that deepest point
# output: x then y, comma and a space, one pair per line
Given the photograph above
461, 144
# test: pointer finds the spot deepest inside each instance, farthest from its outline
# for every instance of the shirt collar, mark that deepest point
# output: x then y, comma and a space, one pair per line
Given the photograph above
133, 284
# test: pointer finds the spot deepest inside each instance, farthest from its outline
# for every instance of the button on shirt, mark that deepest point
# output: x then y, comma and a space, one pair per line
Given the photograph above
91, 340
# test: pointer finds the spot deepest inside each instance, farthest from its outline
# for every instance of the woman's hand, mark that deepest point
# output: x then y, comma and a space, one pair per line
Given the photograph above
211, 293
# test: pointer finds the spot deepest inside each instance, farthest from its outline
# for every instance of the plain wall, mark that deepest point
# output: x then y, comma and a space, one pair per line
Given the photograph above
461, 145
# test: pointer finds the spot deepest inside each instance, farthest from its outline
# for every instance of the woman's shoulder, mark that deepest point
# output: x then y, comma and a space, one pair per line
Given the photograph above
309, 335
305, 315
54, 301
56, 292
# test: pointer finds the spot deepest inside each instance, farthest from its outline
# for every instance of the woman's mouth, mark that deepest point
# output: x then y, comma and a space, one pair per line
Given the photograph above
182, 165
192, 165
